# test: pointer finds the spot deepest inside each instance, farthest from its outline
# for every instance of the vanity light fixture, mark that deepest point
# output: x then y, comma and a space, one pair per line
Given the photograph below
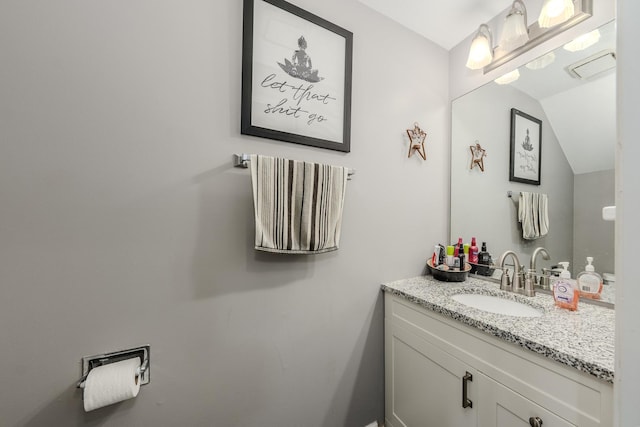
514, 31
516, 38
583, 42
481, 51
555, 12
541, 62
508, 78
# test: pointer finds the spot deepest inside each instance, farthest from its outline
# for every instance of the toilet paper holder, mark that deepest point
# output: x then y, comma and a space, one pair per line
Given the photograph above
143, 352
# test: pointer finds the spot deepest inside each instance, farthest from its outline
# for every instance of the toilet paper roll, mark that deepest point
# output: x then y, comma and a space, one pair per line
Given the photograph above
112, 383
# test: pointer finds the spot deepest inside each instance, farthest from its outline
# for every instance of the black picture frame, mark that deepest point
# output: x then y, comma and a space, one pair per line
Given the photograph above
286, 96
525, 164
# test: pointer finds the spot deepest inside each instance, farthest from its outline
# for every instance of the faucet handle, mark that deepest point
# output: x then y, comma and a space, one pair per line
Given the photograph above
529, 284
505, 281
545, 279
518, 280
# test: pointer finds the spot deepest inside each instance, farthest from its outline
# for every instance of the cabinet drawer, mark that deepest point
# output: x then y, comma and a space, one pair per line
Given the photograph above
583, 400
503, 407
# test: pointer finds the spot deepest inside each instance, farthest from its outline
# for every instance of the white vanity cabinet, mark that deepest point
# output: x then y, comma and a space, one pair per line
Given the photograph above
426, 384
428, 356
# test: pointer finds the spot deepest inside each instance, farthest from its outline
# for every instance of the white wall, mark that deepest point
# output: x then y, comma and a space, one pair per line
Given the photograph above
122, 221
480, 204
627, 398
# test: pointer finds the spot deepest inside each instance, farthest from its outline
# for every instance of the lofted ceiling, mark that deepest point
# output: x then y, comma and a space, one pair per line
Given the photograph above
445, 23
582, 112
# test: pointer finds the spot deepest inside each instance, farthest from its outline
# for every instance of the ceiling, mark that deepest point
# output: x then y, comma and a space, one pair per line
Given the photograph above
582, 113
444, 22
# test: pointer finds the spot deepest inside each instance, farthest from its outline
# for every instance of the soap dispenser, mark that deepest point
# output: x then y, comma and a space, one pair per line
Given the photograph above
565, 273
589, 282
565, 292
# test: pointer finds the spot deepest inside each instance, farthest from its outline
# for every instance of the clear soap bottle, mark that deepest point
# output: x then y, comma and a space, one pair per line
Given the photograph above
589, 282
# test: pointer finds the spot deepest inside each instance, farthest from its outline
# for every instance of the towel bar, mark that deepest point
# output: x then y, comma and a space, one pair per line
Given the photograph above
242, 161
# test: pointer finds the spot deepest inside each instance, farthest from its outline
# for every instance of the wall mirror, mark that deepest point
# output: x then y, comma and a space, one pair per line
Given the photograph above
571, 91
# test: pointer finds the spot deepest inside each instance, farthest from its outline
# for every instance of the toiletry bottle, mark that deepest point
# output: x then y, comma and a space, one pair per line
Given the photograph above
450, 256
589, 282
483, 255
457, 247
484, 260
461, 257
565, 273
443, 255
565, 292
436, 256
473, 251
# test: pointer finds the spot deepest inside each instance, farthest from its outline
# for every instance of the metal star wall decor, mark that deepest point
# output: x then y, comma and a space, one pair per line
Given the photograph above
477, 156
416, 141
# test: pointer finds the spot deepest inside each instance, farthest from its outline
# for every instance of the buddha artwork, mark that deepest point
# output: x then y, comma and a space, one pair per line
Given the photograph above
300, 65
526, 144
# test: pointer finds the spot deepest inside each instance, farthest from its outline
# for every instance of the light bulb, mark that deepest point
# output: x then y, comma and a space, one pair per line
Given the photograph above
480, 53
514, 31
541, 62
555, 12
583, 42
508, 78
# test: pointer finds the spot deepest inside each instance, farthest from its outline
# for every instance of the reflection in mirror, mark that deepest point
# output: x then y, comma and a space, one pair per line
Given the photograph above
572, 93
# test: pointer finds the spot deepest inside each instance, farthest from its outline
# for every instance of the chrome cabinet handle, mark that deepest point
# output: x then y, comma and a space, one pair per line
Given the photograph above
466, 402
535, 422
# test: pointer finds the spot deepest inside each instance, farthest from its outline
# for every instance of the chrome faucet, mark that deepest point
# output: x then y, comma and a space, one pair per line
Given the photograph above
531, 273
519, 284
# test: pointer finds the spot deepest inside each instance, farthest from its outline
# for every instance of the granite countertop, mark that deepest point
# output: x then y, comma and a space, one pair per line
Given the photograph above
582, 339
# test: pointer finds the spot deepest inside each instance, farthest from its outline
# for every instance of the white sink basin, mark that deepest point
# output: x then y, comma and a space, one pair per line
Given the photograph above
494, 304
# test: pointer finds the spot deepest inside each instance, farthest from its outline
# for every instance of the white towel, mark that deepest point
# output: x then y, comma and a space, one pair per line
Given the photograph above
298, 205
533, 214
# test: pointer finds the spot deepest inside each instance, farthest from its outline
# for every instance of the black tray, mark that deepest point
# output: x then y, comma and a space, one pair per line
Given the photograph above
482, 269
449, 275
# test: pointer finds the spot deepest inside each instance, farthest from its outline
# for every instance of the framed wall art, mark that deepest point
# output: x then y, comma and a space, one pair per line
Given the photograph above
296, 76
526, 148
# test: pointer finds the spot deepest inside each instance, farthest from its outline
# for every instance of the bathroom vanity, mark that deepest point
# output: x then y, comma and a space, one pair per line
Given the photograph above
451, 364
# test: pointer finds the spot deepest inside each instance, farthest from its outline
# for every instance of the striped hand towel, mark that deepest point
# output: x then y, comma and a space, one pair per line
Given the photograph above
298, 205
533, 214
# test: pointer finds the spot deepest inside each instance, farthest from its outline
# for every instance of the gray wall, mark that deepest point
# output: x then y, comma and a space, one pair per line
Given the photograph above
592, 236
480, 206
122, 221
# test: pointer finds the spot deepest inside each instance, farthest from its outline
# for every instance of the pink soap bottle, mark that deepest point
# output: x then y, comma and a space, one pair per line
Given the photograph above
565, 292
473, 251
457, 246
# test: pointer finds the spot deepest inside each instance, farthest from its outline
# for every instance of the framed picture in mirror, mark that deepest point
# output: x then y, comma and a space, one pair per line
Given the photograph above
526, 148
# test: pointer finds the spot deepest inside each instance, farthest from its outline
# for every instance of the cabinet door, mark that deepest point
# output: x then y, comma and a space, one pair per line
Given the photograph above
503, 407
424, 385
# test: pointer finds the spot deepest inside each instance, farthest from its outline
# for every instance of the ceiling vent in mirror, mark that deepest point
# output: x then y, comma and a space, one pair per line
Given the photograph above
593, 65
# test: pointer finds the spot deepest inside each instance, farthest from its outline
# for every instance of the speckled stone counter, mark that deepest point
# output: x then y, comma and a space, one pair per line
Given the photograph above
583, 339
